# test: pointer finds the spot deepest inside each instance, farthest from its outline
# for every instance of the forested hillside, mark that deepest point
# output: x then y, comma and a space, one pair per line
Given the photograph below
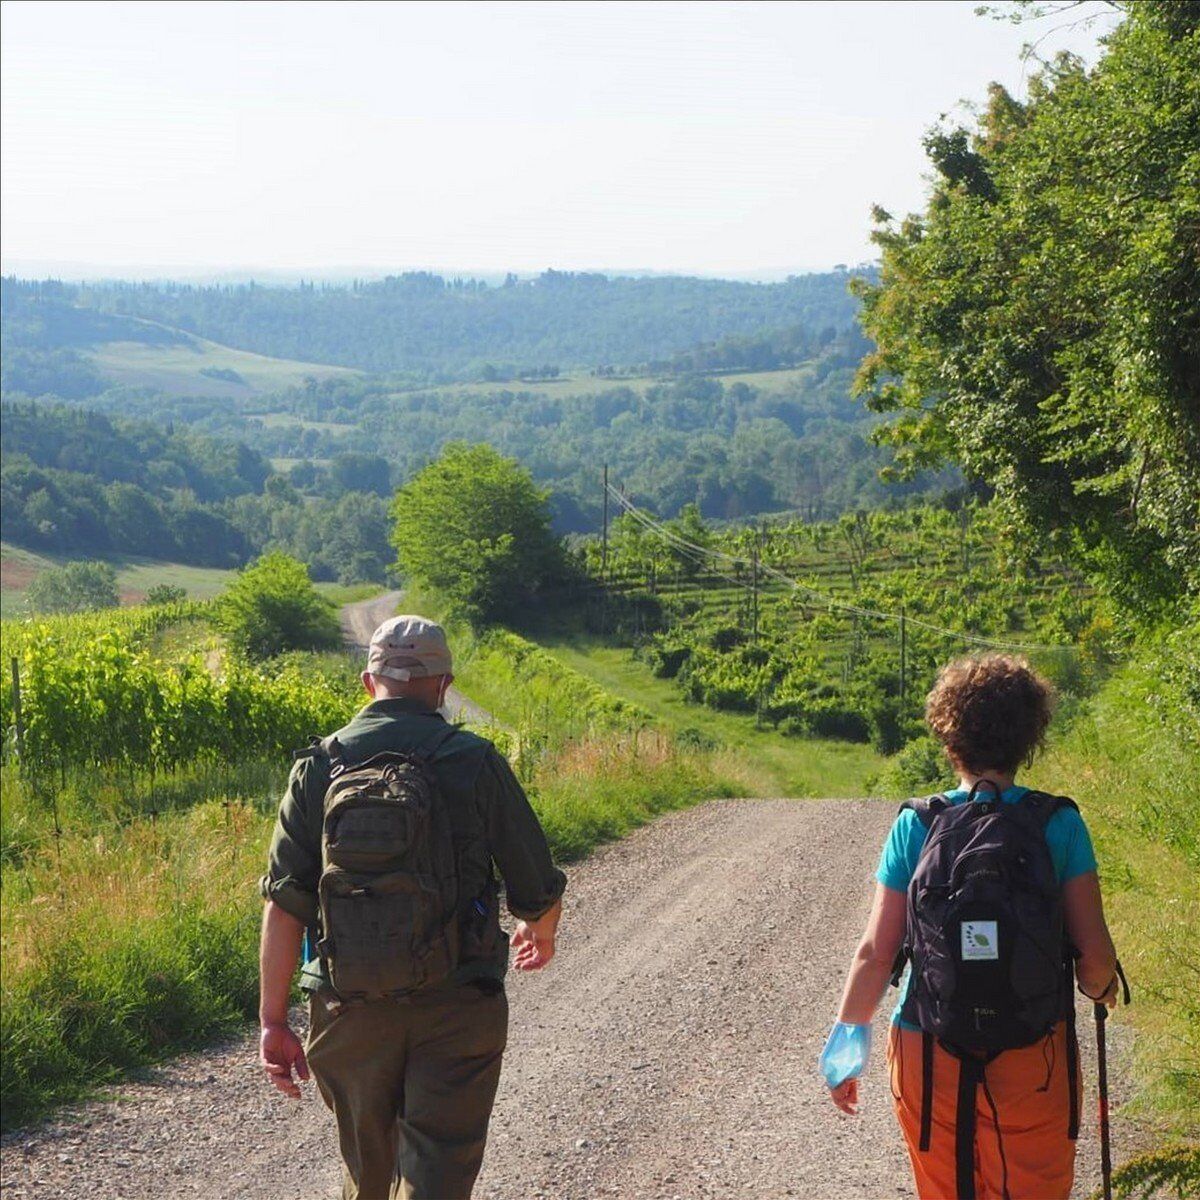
423, 323
734, 445
82, 483
758, 418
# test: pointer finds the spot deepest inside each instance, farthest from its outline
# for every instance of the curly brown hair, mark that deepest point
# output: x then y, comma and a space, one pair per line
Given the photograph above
990, 712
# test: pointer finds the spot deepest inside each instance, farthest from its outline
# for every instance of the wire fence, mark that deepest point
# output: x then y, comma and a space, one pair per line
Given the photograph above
707, 554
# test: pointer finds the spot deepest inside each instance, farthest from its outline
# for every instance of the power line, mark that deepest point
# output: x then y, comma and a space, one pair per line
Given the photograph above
829, 601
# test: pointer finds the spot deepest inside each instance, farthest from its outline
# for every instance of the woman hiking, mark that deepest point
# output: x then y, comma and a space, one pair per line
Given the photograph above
986, 892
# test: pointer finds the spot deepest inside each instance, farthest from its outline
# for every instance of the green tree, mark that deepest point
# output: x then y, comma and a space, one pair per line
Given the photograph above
689, 528
166, 593
474, 526
361, 473
1039, 323
272, 606
76, 587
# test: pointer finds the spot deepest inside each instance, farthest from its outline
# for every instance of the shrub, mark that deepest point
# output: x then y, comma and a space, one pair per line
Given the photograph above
920, 768
77, 587
166, 593
829, 718
889, 729
272, 606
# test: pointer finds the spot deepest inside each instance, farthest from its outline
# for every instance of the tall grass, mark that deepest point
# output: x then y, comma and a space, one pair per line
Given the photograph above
122, 947
597, 789
1131, 760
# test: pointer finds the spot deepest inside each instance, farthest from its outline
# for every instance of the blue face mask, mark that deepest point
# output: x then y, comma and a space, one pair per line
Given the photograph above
846, 1052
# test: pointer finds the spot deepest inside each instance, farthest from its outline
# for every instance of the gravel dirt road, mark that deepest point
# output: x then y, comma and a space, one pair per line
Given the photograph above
669, 1051
361, 619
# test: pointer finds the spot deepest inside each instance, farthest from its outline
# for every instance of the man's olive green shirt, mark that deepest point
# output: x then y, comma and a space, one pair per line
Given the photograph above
490, 817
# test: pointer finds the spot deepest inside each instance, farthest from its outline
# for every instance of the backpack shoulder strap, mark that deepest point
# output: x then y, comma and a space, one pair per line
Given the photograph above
327, 749
927, 808
334, 752
1043, 805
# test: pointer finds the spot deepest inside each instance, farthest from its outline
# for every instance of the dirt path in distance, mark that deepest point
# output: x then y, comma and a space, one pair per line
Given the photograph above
361, 619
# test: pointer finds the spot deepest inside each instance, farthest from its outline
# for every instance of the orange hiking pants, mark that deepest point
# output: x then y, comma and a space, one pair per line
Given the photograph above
1029, 1088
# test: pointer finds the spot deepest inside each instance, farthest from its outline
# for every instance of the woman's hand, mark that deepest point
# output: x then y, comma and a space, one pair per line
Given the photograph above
845, 1096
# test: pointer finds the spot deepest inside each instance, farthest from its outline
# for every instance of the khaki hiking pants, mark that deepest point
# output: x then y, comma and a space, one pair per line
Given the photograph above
411, 1083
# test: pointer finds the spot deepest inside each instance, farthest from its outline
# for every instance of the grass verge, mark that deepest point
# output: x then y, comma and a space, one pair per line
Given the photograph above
765, 761
1134, 779
123, 947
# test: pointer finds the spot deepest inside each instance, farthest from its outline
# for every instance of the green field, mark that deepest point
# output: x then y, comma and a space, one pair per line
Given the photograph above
274, 420
586, 384
770, 764
177, 369
135, 576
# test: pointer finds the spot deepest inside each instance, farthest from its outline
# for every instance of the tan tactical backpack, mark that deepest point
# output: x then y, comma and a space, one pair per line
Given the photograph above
388, 890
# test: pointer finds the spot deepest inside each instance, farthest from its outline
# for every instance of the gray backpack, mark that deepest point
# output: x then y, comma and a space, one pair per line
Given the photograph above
388, 891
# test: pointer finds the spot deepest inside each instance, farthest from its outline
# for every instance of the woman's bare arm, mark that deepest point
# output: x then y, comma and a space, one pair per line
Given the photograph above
871, 967
1084, 911
870, 970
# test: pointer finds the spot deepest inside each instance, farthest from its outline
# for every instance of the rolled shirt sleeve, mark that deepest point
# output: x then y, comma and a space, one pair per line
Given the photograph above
517, 842
294, 859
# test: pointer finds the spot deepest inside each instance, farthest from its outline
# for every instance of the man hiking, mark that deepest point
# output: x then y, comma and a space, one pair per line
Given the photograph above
383, 852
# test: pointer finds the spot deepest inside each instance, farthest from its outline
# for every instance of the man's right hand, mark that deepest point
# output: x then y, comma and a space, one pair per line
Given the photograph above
534, 940
280, 1051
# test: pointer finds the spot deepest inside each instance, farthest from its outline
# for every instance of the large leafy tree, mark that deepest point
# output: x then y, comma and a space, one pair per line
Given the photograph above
475, 527
1039, 323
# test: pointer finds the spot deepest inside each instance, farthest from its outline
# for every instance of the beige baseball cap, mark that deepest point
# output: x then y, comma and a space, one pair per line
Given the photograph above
407, 648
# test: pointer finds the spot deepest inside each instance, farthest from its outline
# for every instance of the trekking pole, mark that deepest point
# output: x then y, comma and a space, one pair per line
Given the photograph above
1102, 1078
1101, 1011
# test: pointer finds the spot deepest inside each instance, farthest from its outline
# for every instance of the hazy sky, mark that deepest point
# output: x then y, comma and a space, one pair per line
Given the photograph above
715, 138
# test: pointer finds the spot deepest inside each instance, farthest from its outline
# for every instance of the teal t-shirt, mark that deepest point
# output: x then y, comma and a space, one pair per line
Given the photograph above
1067, 836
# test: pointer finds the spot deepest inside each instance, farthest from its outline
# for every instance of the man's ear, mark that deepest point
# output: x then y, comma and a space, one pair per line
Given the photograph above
368, 682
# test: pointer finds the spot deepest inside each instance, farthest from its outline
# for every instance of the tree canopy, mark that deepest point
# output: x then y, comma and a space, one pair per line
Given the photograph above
272, 606
1039, 323
75, 587
474, 526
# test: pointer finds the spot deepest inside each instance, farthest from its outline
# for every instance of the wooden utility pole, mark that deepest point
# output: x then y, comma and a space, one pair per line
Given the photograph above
604, 562
754, 591
604, 546
903, 656
18, 722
